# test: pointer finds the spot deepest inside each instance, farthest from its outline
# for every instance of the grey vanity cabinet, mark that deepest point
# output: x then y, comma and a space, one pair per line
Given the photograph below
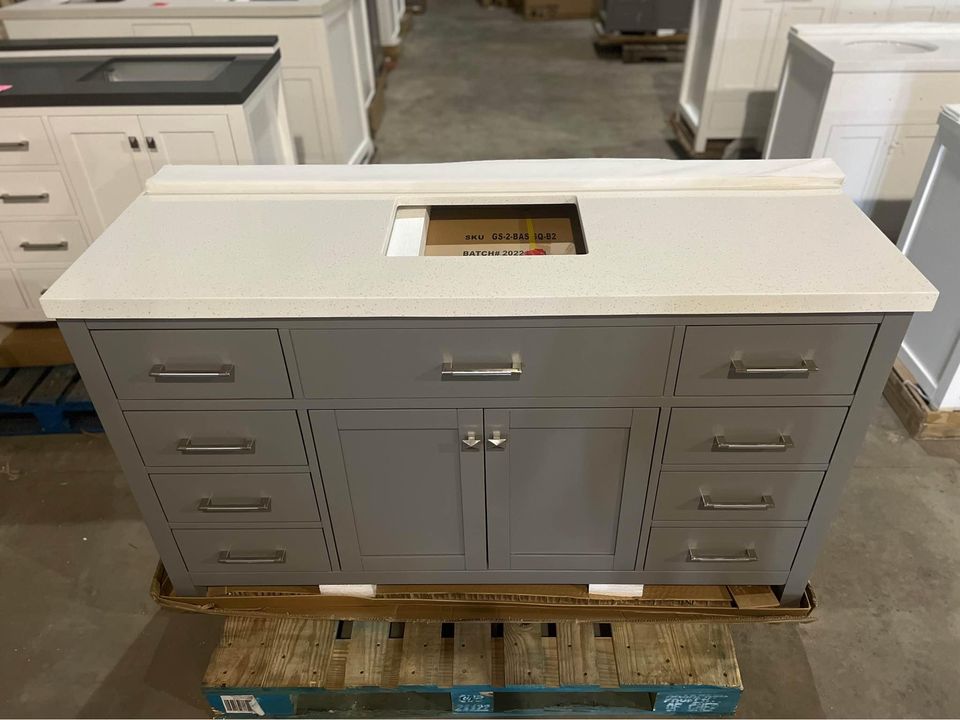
566, 486
410, 485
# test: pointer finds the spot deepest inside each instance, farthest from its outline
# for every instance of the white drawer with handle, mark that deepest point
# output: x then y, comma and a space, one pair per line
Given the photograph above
34, 193
24, 141
43, 241
35, 282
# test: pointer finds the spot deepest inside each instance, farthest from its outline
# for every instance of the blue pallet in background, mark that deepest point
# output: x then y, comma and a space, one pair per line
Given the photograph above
45, 400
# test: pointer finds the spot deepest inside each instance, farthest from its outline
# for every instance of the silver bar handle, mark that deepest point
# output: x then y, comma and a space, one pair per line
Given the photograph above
9, 199
224, 557
739, 369
206, 505
28, 246
243, 447
748, 555
18, 146
160, 372
721, 444
480, 372
707, 503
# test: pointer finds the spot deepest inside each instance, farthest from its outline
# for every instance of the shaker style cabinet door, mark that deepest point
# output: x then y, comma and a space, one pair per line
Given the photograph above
404, 487
107, 163
188, 140
566, 487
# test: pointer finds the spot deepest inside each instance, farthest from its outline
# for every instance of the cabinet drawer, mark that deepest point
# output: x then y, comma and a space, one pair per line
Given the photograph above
34, 193
707, 496
43, 241
10, 296
23, 141
519, 362
193, 364
36, 281
246, 498
773, 359
693, 549
753, 435
208, 437
253, 551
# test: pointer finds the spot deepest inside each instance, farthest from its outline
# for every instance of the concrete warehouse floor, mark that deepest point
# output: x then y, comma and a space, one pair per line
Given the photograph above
80, 637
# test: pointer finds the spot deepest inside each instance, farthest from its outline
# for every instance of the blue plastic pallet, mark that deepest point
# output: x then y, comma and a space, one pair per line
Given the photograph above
44, 400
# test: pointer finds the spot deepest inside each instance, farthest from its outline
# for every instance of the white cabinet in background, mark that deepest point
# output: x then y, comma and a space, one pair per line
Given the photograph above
867, 96
389, 14
931, 349
188, 140
736, 49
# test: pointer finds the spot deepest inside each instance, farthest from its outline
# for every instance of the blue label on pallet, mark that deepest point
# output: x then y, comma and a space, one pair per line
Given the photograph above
696, 703
472, 701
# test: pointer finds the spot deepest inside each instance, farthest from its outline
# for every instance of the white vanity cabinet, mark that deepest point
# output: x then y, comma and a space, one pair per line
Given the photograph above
931, 349
389, 15
77, 144
736, 49
327, 66
867, 96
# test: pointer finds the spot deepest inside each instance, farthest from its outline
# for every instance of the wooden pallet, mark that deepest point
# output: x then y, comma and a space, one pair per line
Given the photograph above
636, 47
911, 406
716, 148
289, 667
40, 400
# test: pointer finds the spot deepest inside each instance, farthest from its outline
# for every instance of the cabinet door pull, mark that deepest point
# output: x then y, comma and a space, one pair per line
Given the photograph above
151, 144
134, 143
707, 503
268, 558
748, 555
480, 372
206, 505
9, 199
28, 246
496, 440
471, 441
18, 146
720, 444
160, 372
242, 447
739, 369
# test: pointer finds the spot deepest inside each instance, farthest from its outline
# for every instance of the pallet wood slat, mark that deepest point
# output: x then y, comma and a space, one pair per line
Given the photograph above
471, 654
918, 417
291, 666
45, 400
368, 646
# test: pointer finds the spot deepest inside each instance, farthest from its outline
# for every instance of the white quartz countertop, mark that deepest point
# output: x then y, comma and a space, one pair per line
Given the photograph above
160, 9
873, 47
664, 238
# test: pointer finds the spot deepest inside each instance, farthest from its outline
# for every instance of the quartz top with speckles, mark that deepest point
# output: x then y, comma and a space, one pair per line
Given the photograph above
664, 237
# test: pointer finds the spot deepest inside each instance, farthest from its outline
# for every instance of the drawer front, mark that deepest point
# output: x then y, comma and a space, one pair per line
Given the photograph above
753, 435
43, 241
773, 359
483, 362
34, 193
36, 281
234, 497
694, 549
10, 296
217, 438
707, 496
193, 364
23, 141
253, 551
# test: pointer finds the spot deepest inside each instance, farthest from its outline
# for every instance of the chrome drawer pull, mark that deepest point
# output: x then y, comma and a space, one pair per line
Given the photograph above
720, 444
496, 440
206, 506
449, 372
244, 447
471, 441
707, 503
28, 246
19, 146
749, 555
739, 369
9, 199
269, 558
160, 372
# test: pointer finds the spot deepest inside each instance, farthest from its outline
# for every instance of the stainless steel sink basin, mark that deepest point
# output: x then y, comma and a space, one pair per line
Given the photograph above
161, 70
